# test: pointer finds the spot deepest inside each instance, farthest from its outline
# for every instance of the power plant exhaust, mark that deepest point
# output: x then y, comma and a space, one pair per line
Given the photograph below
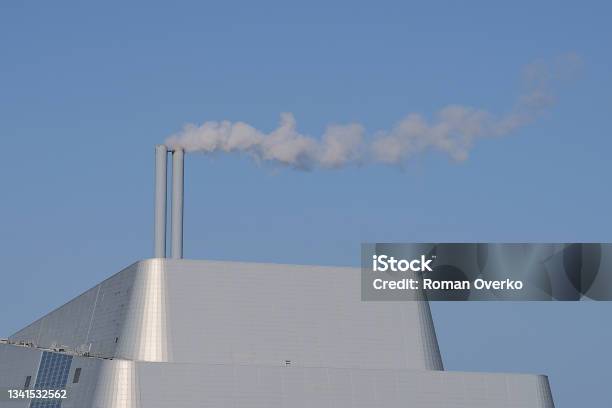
161, 191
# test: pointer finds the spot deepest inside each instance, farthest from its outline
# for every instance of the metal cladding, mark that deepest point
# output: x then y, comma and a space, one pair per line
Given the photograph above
177, 203
117, 383
186, 333
161, 159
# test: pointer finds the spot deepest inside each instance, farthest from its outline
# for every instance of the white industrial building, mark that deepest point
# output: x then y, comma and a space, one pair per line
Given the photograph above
171, 332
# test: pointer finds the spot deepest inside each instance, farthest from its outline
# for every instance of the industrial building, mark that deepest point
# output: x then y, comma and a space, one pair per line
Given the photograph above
172, 332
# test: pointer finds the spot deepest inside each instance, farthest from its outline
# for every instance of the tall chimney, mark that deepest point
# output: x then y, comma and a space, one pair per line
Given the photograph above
161, 153
177, 203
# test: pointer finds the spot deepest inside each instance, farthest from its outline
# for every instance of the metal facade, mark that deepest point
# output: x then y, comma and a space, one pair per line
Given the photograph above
187, 333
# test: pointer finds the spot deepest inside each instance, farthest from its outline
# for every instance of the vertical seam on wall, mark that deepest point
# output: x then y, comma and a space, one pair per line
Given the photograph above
93, 312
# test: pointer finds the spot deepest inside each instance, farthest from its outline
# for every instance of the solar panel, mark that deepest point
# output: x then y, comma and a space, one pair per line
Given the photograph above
52, 375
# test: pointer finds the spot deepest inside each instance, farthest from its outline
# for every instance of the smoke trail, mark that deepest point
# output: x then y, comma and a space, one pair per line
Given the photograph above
453, 131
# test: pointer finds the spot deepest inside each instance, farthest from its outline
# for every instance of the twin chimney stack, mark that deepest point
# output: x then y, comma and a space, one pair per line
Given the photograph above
161, 183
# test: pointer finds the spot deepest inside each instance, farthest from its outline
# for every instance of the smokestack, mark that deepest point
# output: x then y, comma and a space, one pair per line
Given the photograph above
161, 153
177, 203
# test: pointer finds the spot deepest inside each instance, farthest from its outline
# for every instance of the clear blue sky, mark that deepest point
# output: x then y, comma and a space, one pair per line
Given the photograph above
87, 89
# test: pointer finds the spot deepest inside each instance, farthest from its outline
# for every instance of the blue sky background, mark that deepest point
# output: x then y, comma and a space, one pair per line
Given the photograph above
86, 90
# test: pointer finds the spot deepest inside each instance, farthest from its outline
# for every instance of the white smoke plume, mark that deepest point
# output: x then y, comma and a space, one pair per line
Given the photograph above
453, 131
